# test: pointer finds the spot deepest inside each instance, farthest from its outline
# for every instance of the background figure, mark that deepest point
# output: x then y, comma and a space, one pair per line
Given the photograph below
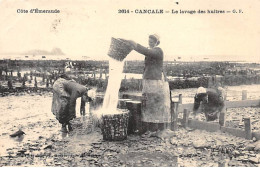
212, 101
10, 83
35, 82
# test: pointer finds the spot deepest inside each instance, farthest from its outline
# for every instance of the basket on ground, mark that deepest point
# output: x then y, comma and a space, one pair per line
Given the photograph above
119, 49
114, 126
81, 125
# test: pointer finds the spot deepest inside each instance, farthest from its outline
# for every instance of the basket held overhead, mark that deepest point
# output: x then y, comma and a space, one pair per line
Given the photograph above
119, 49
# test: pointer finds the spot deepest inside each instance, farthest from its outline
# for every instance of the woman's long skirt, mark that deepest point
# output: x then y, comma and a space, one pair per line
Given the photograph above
156, 103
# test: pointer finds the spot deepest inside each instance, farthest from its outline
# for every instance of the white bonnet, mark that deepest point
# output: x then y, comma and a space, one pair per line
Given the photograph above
201, 90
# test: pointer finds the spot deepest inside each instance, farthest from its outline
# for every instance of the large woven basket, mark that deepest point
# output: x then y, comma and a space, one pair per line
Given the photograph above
82, 126
119, 49
114, 127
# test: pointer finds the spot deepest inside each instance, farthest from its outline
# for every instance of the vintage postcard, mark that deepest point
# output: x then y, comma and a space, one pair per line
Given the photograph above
141, 83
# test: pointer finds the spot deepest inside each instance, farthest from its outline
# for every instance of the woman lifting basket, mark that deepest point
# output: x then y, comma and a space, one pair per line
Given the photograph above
156, 102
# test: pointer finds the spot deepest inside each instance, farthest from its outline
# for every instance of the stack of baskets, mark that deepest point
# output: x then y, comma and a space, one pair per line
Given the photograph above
119, 49
82, 125
114, 126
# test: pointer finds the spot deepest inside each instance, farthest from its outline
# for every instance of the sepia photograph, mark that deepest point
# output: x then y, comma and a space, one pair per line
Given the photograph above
140, 83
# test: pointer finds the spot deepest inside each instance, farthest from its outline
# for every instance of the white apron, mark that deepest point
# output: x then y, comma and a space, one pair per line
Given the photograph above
156, 103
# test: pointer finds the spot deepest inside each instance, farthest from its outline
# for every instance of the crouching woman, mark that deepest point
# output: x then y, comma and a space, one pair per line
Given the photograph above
65, 94
213, 105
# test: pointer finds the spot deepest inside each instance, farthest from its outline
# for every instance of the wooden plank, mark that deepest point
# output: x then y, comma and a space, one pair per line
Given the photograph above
228, 104
189, 106
132, 96
196, 124
122, 103
243, 103
234, 132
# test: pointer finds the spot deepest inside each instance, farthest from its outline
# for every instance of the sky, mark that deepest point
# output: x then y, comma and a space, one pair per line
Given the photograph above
85, 28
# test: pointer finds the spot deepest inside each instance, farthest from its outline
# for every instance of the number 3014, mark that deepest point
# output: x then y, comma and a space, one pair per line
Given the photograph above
123, 11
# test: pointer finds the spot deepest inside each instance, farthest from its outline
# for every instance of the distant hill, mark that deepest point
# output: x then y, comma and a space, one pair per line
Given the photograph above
54, 51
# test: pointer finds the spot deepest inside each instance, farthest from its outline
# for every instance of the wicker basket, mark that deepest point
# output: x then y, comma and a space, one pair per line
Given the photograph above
82, 127
114, 127
119, 49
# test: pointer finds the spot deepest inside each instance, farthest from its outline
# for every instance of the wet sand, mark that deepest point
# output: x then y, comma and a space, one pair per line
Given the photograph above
44, 145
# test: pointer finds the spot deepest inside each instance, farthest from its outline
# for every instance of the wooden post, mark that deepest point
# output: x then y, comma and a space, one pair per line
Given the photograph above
100, 76
174, 115
180, 98
248, 129
215, 80
35, 82
210, 82
43, 78
225, 95
47, 83
140, 84
51, 81
167, 125
244, 95
185, 118
135, 124
221, 162
222, 116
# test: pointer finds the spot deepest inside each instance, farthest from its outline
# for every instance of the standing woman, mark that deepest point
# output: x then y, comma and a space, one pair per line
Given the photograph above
156, 102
